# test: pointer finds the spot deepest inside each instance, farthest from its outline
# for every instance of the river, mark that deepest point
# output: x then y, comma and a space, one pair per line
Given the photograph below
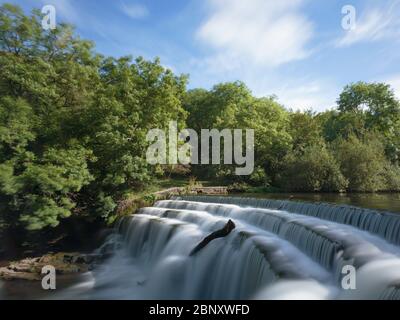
278, 250
378, 201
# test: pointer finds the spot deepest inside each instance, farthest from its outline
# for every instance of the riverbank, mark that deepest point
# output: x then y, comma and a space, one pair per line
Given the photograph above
26, 265
31, 268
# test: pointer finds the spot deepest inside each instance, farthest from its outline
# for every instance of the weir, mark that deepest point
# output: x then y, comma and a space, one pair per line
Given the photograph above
384, 224
277, 250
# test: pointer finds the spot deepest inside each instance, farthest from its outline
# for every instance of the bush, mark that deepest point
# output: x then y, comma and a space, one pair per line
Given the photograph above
362, 162
311, 171
238, 187
392, 177
259, 177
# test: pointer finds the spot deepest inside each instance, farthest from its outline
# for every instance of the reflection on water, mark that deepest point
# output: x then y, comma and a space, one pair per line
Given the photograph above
29, 290
379, 201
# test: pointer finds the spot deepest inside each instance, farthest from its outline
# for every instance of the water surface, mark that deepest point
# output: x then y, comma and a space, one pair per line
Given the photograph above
378, 201
278, 250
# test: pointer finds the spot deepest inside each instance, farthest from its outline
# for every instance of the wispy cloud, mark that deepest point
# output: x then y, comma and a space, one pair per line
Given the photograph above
374, 24
252, 39
302, 95
65, 9
135, 10
394, 81
262, 32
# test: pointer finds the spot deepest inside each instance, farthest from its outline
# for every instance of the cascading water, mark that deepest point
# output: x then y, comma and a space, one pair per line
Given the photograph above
278, 250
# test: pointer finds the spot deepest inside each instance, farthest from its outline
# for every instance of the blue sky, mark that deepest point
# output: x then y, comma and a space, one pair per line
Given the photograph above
295, 49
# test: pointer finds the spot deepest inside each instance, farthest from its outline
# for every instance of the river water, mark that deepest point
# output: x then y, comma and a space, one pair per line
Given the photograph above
278, 250
379, 201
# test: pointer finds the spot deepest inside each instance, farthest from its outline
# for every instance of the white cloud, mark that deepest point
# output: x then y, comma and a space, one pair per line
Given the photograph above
314, 95
261, 32
394, 82
374, 24
135, 10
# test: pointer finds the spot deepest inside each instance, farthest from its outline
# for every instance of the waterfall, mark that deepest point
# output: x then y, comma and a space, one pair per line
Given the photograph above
385, 224
278, 250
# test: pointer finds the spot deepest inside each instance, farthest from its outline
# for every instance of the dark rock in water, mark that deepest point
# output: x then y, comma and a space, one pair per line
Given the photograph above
86, 258
141, 283
109, 248
91, 260
227, 229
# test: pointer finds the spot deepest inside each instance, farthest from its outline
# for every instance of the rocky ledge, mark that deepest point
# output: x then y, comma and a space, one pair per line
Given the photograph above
193, 190
64, 263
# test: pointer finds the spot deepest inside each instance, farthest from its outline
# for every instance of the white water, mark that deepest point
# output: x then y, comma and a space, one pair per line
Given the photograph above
271, 254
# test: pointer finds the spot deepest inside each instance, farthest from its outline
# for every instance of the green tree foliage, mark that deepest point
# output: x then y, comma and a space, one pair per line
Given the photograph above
231, 105
41, 193
305, 129
73, 123
73, 128
336, 124
133, 99
377, 104
313, 169
363, 162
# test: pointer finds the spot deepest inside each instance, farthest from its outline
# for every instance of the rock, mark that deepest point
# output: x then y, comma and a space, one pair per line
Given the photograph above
89, 259
31, 268
141, 283
9, 274
227, 229
108, 248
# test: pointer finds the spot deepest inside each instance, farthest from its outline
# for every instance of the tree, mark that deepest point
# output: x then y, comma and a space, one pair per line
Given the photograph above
378, 104
46, 79
232, 106
73, 123
312, 170
134, 98
341, 124
305, 129
362, 162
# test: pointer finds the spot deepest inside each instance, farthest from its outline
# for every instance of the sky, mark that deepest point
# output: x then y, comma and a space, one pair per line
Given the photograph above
302, 51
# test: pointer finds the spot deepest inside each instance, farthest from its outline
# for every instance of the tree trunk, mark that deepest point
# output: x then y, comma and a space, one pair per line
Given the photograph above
230, 225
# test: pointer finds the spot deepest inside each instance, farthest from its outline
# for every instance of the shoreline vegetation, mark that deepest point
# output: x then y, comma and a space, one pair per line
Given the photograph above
73, 126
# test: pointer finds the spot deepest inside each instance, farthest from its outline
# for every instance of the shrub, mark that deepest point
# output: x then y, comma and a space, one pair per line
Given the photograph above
259, 177
238, 187
392, 177
313, 170
362, 162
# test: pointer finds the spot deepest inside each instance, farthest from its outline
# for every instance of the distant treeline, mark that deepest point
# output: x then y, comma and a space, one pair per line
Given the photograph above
354, 147
73, 127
